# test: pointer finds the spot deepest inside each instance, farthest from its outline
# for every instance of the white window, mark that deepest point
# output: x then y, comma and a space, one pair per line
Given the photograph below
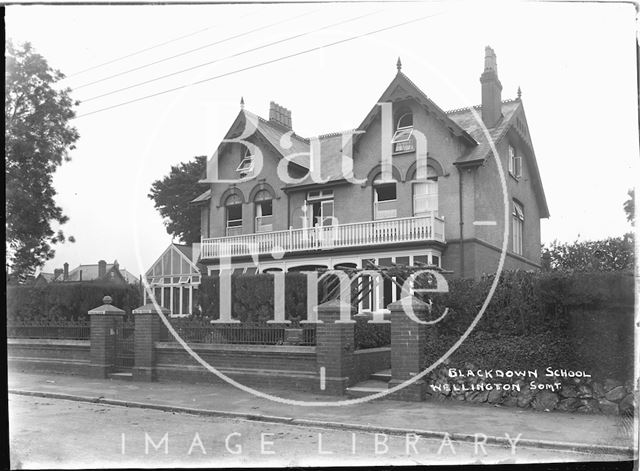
319, 195
384, 199
245, 169
264, 211
402, 140
233, 208
425, 198
517, 227
319, 208
515, 162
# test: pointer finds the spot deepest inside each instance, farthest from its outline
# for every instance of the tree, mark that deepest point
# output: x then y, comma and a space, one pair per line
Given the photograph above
611, 254
172, 195
38, 138
629, 206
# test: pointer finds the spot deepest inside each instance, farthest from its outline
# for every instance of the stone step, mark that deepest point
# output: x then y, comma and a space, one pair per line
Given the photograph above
384, 375
122, 375
366, 388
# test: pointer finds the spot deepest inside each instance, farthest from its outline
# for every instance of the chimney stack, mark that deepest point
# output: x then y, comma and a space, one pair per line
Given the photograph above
102, 268
491, 90
65, 273
279, 114
57, 272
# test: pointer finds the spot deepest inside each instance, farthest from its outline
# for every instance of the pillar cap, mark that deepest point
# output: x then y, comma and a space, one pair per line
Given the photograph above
107, 309
150, 308
334, 305
408, 301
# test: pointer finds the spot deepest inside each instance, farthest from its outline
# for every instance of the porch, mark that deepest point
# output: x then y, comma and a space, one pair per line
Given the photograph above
380, 232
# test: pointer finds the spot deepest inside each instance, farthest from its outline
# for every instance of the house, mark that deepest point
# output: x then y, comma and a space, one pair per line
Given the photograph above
174, 278
411, 184
101, 271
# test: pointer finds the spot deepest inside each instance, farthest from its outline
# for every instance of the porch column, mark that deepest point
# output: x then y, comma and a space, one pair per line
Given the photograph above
146, 333
408, 341
334, 347
105, 321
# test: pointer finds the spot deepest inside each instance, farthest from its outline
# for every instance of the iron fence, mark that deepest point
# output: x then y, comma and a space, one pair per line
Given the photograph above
202, 331
68, 331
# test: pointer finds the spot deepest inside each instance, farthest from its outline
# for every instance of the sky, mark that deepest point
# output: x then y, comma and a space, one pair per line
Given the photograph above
575, 64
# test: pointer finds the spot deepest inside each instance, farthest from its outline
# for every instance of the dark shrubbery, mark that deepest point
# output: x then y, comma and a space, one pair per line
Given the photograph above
579, 321
252, 297
66, 301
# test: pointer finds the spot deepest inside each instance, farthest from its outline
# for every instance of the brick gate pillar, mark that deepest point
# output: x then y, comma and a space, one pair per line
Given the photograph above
146, 333
334, 347
106, 320
408, 340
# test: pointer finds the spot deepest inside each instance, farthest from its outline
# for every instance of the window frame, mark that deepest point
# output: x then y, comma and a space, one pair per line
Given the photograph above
515, 162
517, 226
403, 135
245, 167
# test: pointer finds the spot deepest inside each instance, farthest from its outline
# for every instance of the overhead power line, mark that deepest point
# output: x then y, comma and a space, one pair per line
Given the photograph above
306, 33
199, 48
271, 61
155, 46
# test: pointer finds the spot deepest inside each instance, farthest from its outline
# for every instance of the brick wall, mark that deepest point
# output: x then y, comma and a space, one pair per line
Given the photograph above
293, 367
49, 355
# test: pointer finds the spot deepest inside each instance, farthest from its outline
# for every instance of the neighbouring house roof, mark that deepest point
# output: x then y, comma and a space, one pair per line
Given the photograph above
90, 272
48, 277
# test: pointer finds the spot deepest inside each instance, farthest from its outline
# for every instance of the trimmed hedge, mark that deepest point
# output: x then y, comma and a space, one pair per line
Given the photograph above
66, 301
252, 297
537, 320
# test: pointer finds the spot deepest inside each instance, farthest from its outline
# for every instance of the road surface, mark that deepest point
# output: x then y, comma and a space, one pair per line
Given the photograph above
56, 433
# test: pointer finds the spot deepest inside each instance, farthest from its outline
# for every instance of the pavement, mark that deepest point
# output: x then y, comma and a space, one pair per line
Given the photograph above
462, 422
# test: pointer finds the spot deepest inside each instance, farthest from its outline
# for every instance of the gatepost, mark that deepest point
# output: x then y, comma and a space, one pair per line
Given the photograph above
106, 320
146, 334
334, 346
407, 348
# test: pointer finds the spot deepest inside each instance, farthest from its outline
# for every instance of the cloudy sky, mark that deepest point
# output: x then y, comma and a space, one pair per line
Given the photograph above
575, 63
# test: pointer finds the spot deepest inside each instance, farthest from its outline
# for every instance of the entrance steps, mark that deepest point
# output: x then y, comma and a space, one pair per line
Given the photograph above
376, 383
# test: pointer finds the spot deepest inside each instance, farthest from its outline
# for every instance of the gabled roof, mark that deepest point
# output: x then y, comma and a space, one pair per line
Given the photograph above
402, 83
91, 272
471, 119
175, 254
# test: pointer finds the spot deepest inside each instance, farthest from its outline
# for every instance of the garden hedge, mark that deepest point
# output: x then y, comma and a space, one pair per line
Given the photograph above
66, 301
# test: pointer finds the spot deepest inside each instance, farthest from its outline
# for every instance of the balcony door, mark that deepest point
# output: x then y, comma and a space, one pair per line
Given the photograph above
425, 198
320, 208
264, 211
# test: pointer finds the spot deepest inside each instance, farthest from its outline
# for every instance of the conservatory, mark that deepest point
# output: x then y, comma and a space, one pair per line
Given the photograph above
174, 279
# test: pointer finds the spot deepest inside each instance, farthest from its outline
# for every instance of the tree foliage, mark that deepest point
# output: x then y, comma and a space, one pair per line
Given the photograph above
38, 137
171, 197
611, 254
629, 206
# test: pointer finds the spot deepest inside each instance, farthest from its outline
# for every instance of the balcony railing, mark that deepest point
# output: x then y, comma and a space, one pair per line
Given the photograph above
388, 231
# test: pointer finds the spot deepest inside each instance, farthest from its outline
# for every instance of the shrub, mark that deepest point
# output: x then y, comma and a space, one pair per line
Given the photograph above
66, 301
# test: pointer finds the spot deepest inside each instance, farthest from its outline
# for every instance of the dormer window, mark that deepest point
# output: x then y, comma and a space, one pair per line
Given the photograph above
402, 140
245, 169
515, 162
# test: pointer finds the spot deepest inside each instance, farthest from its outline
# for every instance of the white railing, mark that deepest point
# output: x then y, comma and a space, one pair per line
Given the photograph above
388, 231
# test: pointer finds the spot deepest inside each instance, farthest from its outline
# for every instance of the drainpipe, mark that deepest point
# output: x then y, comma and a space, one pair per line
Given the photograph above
461, 222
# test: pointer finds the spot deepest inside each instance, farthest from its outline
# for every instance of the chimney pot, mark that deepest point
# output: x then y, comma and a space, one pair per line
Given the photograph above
491, 90
280, 114
102, 268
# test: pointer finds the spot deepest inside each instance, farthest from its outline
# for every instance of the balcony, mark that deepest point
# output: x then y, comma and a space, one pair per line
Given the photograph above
370, 233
